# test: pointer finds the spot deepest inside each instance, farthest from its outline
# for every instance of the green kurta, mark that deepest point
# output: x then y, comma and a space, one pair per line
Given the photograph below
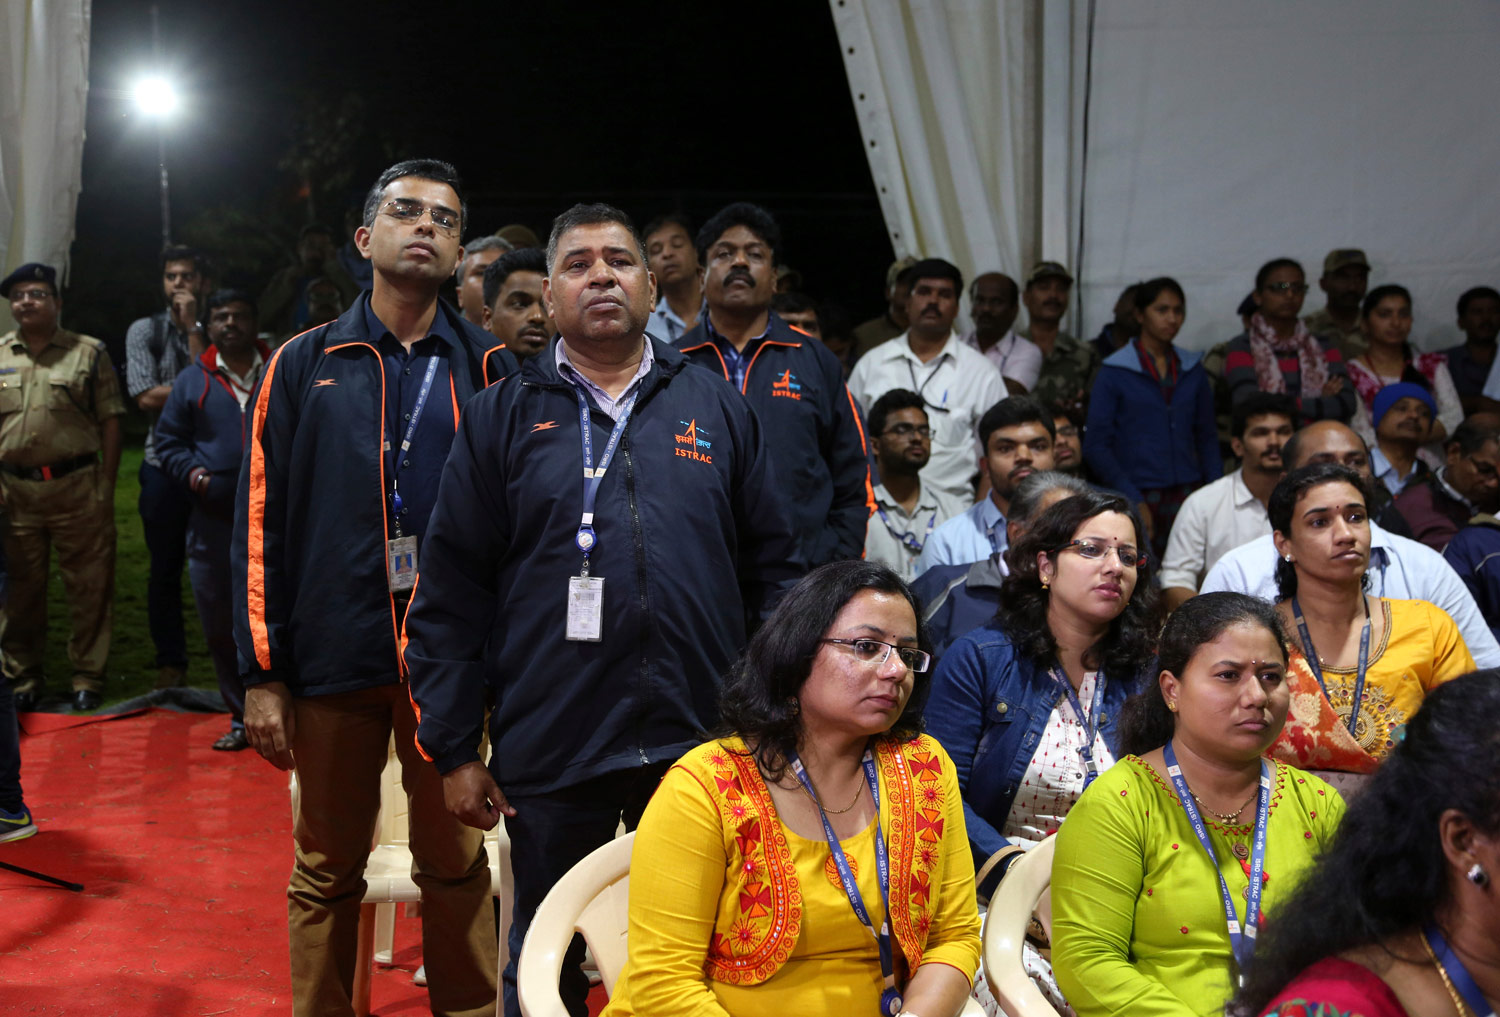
1137, 918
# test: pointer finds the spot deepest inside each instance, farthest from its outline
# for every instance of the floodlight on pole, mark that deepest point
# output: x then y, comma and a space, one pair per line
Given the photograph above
155, 97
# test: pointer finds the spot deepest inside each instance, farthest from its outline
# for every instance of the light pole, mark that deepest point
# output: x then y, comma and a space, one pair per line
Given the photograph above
157, 99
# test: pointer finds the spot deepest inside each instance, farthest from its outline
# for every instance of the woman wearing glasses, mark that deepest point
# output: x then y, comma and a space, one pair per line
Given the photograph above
1027, 706
813, 861
1360, 665
1385, 318
1170, 857
1278, 354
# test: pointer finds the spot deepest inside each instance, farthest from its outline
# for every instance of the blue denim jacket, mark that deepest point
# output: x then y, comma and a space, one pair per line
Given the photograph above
988, 707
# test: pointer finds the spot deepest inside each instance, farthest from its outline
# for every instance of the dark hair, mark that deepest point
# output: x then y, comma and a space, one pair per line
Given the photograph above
669, 218
1145, 721
1292, 450
793, 303
894, 400
1015, 291
1386, 871
759, 698
741, 213
180, 252
1147, 292
1477, 293
1009, 412
937, 268
1126, 646
317, 227
527, 259
1470, 437
1261, 404
595, 213
1375, 296
1283, 504
220, 297
1265, 270
1075, 416
423, 169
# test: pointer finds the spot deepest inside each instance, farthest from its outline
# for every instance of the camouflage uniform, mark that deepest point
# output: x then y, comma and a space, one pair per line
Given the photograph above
1066, 371
52, 407
1351, 343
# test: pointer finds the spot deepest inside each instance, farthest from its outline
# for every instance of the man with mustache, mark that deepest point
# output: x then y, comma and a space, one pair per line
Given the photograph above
1400, 568
589, 585
348, 433
994, 301
1346, 276
674, 262
893, 321
1467, 484
1017, 435
514, 311
1227, 512
795, 384
1068, 366
956, 382
1403, 414
201, 440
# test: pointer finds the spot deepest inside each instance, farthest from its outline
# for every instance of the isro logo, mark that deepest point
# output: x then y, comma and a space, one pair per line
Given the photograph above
787, 386
692, 443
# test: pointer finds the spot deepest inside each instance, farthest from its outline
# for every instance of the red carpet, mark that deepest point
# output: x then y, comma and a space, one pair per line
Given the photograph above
184, 855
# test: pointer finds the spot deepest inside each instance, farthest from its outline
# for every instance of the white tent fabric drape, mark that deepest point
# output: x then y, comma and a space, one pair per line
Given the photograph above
1220, 135
44, 61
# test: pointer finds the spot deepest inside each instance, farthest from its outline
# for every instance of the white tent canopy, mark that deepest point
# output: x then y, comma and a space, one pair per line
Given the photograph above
1219, 135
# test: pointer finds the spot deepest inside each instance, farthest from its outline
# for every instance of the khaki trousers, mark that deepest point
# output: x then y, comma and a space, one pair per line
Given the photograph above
340, 746
68, 513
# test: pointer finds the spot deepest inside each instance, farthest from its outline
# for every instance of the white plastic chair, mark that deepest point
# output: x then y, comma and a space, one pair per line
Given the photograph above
1005, 933
592, 899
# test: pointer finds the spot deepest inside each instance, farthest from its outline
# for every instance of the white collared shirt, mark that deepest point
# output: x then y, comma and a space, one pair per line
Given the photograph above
242, 384
958, 385
606, 402
1400, 568
883, 541
1015, 358
1214, 520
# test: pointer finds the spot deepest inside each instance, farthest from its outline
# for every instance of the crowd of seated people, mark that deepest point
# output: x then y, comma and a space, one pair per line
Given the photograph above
1037, 600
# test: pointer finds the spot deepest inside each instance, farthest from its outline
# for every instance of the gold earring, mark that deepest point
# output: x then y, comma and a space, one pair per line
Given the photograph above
1172, 706
1046, 583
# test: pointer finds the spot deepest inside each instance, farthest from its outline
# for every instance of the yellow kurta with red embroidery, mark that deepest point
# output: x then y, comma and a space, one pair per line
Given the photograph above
731, 913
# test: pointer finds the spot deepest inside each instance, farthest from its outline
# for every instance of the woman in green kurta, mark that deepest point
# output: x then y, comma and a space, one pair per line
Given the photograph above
1138, 917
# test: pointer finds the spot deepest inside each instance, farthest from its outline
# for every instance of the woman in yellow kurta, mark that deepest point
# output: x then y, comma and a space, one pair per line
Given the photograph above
1139, 925
737, 906
1401, 649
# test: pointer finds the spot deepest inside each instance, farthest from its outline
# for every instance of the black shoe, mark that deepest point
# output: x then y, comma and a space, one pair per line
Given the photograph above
85, 700
232, 741
25, 701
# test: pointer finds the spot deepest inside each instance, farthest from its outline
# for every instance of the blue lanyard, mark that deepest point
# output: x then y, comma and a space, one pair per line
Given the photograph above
1457, 973
1241, 939
1089, 721
411, 429
906, 537
1317, 669
594, 476
890, 999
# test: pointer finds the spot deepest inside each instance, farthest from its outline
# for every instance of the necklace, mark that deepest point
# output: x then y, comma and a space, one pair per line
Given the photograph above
1223, 817
832, 812
1458, 1003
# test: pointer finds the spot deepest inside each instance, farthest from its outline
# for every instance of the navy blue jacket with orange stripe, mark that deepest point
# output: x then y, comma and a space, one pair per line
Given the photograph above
813, 431
202, 425
692, 538
311, 603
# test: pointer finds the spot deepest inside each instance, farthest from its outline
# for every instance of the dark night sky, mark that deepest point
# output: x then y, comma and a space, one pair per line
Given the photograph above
537, 105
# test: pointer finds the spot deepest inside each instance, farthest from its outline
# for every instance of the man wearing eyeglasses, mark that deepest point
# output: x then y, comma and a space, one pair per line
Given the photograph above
1440, 504
349, 429
60, 407
906, 510
795, 384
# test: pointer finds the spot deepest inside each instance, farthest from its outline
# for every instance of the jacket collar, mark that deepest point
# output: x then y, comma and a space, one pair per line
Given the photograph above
209, 358
541, 370
1127, 357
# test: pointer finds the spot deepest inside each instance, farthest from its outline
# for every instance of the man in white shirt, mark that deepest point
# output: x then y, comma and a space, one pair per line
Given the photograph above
957, 384
673, 259
994, 302
1017, 434
1400, 568
906, 511
1226, 513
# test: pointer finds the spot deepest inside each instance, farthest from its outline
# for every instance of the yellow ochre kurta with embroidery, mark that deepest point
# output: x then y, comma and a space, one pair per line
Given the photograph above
731, 913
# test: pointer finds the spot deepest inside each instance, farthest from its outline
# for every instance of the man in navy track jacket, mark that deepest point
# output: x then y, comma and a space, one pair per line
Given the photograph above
597, 638
794, 382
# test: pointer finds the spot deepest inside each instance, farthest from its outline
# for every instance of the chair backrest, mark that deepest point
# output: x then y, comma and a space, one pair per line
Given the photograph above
1005, 933
592, 899
394, 826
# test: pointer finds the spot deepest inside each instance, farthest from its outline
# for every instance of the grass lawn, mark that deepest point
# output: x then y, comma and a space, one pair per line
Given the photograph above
132, 657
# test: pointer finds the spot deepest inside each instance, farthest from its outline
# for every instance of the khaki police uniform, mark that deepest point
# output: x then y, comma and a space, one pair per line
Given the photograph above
52, 407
